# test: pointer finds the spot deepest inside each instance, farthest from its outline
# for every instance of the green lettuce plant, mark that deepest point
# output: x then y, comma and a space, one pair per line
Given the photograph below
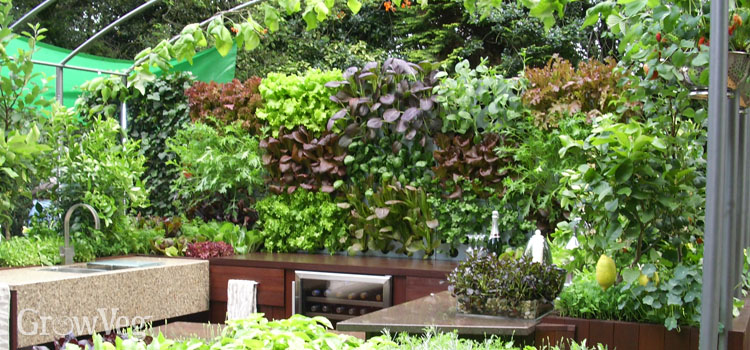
303, 220
297, 100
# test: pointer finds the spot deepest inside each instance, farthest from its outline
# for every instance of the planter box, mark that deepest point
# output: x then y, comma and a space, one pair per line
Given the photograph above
640, 336
492, 306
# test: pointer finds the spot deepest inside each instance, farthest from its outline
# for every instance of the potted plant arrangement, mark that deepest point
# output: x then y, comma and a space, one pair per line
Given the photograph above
506, 286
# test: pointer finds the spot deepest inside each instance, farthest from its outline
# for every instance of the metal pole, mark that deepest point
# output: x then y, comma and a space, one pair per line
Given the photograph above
717, 111
106, 29
85, 69
59, 84
32, 13
201, 24
734, 197
745, 165
124, 114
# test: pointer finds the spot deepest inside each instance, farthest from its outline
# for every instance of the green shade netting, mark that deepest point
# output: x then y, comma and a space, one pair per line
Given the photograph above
207, 66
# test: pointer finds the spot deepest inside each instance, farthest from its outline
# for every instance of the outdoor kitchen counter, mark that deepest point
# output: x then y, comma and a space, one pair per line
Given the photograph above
53, 303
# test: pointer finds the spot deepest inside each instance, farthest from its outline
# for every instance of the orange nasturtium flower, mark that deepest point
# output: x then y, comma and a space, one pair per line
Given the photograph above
389, 6
234, 30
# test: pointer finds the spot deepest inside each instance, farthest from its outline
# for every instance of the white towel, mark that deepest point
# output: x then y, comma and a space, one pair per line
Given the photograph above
4, 317
241, 299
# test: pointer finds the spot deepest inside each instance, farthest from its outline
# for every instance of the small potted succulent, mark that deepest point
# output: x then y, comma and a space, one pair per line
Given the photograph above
505, 286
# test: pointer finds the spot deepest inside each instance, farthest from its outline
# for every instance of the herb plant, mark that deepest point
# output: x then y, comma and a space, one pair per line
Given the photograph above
390, 157
505, 277
298, 159
469, 214
30, 251
293, 100
303, 220
392, 97
221, 170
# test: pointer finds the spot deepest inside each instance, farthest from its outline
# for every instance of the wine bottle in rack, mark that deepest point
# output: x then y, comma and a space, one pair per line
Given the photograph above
378, 297
328, 293
314, 308
352, 311
316, 292
340, 309
363, 311
325, 308
364, 295
352, 295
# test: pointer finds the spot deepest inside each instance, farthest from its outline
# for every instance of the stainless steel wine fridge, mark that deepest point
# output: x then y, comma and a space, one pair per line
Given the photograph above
339, 296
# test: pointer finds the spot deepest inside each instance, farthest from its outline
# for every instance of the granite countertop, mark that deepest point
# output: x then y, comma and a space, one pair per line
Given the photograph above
51, 304
16, 277
438, 310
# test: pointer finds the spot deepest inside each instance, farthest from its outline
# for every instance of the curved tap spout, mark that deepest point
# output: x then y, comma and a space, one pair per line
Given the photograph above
67, 251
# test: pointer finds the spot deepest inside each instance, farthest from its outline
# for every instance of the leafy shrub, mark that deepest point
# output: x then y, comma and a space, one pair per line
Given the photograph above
392, 214
506, 277
294, 100
96, 168
559, 88
390, 156
222, 104
298, 159
301, 220
395, 97
18, 151
633, 197
208, 250
477, 100
157, 116
535, 190
460, 157
673, 301
220, 171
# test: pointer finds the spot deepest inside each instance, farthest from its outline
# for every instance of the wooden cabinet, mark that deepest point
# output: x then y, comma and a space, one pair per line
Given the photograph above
412, 278
270, 289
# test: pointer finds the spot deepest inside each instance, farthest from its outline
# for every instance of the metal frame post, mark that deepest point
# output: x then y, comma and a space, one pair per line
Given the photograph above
734, 196
714, 230
59, 84
124, 114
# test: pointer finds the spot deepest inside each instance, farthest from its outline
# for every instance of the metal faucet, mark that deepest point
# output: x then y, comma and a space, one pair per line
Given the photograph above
67, 251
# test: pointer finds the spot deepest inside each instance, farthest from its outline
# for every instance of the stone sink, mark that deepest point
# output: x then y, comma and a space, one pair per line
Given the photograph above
104, 295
